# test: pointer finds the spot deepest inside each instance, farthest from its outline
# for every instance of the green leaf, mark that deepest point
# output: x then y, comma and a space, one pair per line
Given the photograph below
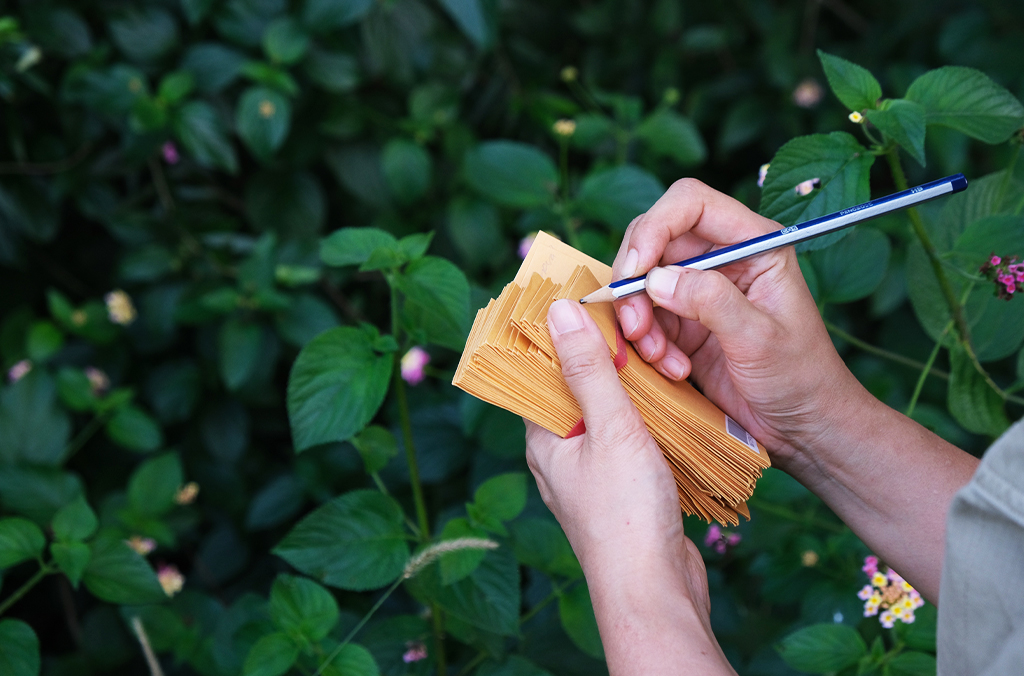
541, 544
511, 173
971, 400
262, 119
72, 558
213, 65
285, 41
488, 599
274, 77
470, 17
336, 386
514, 665
20, 656
32, 427
145, 34
502, 497
175, 86
325, 15
415, 246
44, 340
853, 267
903, 122
352, 246
75, 390
1002, 234
239, 344
670, 134
134, 429
272, 655
20, 540
474, 227
289, 203
407, 170
336, 72
436, 301
837, 160
377, 446
822, 648
277, 502
912, 664
853, 85
969, 101
616, 196
577, 616
356, 541
921, 634
301, 606
352, 660
37, 493
204, 136
117, 574
460, 563
74, 521
152, 487
306, 318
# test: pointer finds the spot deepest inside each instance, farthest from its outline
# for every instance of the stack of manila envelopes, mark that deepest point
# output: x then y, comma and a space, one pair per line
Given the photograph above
509, 361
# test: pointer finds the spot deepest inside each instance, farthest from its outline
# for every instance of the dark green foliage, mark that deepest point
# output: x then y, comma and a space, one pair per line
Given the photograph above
294, 194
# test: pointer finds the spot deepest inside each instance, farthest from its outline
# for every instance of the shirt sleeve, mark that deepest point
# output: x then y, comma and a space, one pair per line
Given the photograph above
981, 595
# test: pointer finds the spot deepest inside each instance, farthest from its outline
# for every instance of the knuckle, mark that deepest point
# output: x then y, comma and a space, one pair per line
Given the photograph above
580, 366
688, 185
710, 292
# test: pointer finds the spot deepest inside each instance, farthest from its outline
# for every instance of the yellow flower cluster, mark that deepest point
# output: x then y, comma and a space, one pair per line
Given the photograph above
890, 594
120, 309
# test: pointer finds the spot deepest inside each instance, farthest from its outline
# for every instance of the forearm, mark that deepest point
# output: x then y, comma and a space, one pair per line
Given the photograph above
891, 481
650, 623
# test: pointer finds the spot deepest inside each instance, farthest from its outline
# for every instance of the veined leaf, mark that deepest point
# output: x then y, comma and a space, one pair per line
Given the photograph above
969, 101
853, 85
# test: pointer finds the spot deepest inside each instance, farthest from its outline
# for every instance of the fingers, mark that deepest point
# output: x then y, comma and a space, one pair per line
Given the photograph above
589, 372
690, 215
711, 299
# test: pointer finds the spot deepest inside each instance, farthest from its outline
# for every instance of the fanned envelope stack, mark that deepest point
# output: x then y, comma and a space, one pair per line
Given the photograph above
509, 361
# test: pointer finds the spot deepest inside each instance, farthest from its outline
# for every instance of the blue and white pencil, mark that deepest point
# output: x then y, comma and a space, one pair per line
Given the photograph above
793, 234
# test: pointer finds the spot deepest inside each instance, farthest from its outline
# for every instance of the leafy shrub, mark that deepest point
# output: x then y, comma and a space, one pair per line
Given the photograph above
224, 222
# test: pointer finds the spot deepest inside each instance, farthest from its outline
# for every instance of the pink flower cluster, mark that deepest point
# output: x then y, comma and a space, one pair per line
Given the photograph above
414, 652
889, 593
721, 540
414, 364
1008, 275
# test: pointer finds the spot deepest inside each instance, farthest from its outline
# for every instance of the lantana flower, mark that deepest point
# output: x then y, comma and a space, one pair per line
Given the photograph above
414, 363
889, 593
1006, 272
721, 540
171, 580
120, 309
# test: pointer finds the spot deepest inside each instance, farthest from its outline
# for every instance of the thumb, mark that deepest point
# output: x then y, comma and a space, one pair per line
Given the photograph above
708, 297
588, 369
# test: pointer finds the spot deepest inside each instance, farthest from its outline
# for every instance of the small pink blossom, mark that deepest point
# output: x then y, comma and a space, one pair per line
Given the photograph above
865, 592
713, 535
171, 580
762, 174
414, 652
719, 540
870, 565
995, 260
170, 152
413, 364
808, 93
99, 383
141, 545
805, 188
19, 370
733, 539
525, 243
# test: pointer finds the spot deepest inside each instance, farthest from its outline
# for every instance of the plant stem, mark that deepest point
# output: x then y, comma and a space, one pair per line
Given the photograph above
786, 513
555, 593
955, 309
82, 437
927, 369
414, 472
24, 589
885, 354
480, 657
384, 489
406, 424
362, 622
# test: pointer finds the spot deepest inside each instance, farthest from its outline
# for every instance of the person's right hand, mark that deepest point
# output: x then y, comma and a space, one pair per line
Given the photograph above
748, 334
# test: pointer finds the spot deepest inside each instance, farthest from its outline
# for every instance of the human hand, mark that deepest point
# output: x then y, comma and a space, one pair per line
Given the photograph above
612, 491
610, 488
748, 334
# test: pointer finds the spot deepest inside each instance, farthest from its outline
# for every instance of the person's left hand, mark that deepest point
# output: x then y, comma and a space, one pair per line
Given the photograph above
610, 488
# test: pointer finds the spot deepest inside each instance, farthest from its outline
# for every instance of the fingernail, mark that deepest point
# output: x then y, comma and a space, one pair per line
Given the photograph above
673, 367
646, 345
564, 317
629, 265
628, 320
661, 283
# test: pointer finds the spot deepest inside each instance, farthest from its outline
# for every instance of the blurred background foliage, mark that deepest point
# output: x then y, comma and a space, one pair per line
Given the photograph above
174, 176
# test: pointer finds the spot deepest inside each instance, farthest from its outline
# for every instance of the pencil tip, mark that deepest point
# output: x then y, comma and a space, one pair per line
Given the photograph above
583, 301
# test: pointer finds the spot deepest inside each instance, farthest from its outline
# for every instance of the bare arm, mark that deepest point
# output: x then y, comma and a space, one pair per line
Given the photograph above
751, 336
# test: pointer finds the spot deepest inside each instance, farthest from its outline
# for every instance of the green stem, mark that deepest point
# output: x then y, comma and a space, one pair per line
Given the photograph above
955, 309
885, 354
24, 589
473, 663
362, 622
1005, 183
384, 489
563, 166
927, 369
83, 437
555, 593
435, 614
790, 515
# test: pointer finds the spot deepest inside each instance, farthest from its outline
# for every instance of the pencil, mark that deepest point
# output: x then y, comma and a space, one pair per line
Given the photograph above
794, 234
